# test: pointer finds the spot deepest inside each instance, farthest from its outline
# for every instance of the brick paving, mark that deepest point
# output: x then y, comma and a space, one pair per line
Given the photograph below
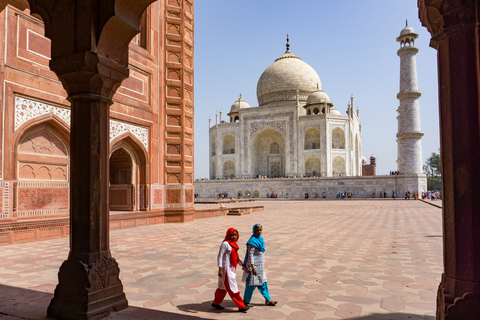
326, 259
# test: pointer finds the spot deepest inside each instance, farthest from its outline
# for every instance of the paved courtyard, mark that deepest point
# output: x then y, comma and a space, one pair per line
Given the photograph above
326, 259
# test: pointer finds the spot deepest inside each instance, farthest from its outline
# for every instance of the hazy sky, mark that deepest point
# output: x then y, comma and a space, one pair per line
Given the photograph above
350, 44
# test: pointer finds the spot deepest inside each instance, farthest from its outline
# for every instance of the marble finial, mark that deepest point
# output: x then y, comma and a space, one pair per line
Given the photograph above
288, 44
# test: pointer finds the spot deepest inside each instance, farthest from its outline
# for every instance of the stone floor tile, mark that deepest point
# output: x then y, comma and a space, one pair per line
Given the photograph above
304, 315
348, 310
392, 303
357, 291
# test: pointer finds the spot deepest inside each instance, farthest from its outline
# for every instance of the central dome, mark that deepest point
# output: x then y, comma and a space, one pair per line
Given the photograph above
281, 80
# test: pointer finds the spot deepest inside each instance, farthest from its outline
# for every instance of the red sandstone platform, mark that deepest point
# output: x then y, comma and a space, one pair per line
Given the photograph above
364, 260
30, 230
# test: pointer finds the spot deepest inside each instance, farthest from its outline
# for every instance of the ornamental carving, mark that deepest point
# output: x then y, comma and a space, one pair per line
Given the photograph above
258, 126
104, 274
286, 115
440, 15
119, 128
26, 109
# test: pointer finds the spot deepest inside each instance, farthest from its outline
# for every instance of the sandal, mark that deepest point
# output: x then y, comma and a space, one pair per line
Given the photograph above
271, 303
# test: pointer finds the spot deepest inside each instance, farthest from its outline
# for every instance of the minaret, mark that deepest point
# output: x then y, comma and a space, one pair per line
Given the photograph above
409, 136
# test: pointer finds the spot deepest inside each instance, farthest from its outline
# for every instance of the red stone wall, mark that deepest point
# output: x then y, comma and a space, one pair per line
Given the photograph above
158, 97
369, 170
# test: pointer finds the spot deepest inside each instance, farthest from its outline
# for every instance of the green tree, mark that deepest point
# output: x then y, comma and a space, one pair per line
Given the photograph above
433, 170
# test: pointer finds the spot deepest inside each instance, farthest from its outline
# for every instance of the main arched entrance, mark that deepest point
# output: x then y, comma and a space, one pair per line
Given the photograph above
268, 154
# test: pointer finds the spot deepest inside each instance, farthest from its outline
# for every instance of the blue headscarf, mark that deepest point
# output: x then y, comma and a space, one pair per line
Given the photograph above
256, 241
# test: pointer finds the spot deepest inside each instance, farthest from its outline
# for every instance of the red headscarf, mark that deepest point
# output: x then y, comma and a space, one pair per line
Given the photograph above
234, 245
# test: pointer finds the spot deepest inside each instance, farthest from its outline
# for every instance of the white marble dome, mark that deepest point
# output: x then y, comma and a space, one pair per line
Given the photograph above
281, 80
407, 30
239, 104
318, 97
334, 111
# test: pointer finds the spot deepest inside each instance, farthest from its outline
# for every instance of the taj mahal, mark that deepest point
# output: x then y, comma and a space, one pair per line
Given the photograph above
295, 131
296, 142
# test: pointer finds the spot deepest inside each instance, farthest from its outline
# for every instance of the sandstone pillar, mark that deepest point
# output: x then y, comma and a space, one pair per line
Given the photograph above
455, 34
89, 50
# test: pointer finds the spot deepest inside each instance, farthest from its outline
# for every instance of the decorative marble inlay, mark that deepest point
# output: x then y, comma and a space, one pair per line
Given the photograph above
118, 128
258, 126
26, 109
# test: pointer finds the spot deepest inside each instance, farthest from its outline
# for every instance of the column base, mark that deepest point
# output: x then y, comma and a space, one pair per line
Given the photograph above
458, 300
87, 292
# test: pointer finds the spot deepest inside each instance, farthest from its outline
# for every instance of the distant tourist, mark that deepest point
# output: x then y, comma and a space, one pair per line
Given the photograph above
254, 267
227, 267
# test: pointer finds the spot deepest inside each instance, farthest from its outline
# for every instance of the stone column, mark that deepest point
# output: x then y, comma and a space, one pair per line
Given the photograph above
89, 284
455, 34
89, 49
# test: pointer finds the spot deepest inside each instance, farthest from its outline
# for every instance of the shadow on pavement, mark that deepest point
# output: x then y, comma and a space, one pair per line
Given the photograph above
206, 307
30, 304
393, 316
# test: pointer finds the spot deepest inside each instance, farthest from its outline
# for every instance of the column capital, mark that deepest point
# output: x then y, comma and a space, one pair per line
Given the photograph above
90, 41
443, 17
89, 73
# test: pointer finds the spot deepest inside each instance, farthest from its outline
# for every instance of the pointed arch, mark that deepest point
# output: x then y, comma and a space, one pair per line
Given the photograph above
213, 171
312, 166
228, 144
228, 170
338, 138
128, 179
312, 138
264, 162
41, 149
338, 166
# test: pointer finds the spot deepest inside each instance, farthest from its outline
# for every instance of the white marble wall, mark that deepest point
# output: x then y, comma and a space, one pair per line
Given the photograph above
361, 187
289, 128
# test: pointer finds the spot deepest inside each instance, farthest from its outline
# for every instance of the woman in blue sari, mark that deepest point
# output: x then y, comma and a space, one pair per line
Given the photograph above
254, 267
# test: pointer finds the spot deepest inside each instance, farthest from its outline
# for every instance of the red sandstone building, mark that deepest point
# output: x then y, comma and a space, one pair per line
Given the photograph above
151, 120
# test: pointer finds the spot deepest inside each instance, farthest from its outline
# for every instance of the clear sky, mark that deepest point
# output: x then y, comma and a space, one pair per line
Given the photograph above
350, 44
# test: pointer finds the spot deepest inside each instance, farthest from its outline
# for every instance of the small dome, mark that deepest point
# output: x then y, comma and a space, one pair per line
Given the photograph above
239, 104
318, 97
407, 30
335, 111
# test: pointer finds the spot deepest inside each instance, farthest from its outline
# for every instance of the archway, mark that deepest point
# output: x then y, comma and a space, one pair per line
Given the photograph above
268, 153
213, 171
42, 154
312, 166
312, 139
127, 176
228, 144
338, 138
213, 146
338, 166
228, 169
